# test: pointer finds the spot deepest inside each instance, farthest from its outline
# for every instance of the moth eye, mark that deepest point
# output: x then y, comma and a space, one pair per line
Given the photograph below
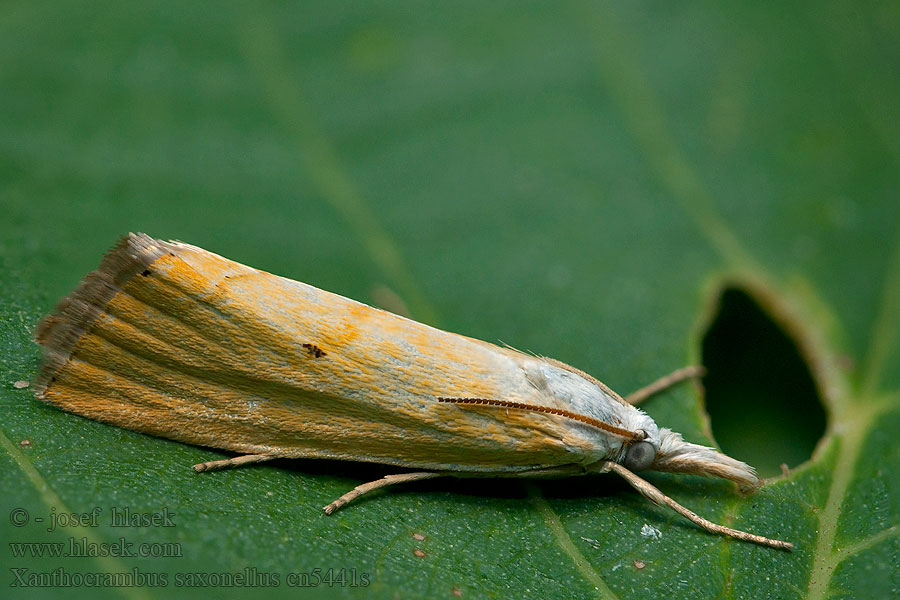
639, 456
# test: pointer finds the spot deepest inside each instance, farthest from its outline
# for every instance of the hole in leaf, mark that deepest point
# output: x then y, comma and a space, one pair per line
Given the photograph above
762, 403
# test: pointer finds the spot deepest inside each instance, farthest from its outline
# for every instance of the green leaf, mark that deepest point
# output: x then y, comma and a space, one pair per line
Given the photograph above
578, 180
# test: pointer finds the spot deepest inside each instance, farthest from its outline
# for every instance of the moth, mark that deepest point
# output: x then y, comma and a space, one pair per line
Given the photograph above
174, 341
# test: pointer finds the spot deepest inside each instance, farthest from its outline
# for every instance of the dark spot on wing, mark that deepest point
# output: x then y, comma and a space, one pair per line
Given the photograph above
314, 350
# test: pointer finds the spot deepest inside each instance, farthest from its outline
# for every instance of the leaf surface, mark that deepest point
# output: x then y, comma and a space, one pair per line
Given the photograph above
577, 180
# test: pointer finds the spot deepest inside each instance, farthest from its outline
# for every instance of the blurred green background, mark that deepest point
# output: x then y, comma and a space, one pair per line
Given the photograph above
580, 180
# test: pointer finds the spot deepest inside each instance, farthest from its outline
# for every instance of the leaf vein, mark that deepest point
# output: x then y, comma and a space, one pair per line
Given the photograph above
551, 518
109, 564
263, 52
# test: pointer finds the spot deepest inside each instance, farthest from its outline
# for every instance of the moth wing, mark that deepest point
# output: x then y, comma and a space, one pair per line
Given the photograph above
171, 340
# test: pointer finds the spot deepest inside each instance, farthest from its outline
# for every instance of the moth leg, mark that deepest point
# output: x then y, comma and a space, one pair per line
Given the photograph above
237, 461
379, 483
664, 383
655, 496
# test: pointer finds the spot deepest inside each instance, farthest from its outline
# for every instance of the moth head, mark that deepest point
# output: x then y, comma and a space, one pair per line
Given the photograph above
674, 455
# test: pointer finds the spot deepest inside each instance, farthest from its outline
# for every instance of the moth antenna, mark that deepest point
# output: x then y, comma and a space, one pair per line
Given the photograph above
625, 433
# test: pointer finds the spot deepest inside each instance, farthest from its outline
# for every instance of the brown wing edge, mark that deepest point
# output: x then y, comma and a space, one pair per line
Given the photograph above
74, 314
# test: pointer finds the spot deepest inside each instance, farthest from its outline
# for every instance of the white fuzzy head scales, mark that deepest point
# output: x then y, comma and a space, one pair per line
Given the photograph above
678, 456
